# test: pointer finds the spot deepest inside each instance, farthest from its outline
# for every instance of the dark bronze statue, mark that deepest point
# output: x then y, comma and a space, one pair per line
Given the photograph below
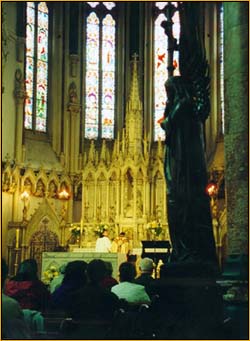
186, 175
187, 108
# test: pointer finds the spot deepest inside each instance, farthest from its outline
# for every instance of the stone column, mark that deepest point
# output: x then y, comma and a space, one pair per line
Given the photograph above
95, 198
19, 94
122, 194
236, 124
74, 109
145, 180
118, 196
236, 269
135, 198
164, 202
147, 197
20, 48
74, 137
74, 60
107, 200
16, 202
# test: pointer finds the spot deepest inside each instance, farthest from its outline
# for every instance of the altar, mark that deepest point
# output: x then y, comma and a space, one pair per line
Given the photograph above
56, 259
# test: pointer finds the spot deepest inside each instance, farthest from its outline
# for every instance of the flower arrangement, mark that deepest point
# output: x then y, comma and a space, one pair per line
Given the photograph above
155, 228
49, 274
100, 229
75, 231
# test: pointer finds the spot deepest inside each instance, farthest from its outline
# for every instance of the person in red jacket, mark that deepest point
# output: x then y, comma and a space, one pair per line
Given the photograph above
27, 289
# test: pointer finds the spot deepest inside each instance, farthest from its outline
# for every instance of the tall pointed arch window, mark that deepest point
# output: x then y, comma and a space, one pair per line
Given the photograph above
36, 67
100, 70
160, 56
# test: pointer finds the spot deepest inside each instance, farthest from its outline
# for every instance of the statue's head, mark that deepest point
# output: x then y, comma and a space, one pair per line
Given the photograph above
175, 86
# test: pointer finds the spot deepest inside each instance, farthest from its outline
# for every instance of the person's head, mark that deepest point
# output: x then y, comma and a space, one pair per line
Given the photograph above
105, 233
5, 271
75, 271
127, 272
132, 258
146, 265
109, 268
96, 271
27, 270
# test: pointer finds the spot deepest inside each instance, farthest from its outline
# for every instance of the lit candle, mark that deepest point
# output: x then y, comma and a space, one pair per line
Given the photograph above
17, 238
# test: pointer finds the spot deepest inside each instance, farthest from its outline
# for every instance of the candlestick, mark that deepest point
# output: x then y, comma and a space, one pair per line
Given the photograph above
81, 226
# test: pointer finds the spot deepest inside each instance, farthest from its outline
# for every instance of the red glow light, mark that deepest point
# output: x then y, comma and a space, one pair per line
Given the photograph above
211, 189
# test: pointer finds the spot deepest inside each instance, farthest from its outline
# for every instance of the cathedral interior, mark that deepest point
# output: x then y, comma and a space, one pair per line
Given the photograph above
82, 92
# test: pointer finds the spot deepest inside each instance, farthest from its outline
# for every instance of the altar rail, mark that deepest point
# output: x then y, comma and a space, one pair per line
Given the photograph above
57, 259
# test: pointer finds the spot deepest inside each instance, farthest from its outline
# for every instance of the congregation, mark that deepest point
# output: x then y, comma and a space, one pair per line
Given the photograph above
89, 303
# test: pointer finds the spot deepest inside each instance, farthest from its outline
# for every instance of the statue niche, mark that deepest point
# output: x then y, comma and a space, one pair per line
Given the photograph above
101, 198
128, 195
40, 189
52, 190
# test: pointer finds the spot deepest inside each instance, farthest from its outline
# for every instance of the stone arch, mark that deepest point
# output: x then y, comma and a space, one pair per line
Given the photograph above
40, 188
141, 173
43, 176
113, 176
53, 176
66, 183
158, 168
52, 189
53, 185
28, 182
101, 170
88, 176
129, 169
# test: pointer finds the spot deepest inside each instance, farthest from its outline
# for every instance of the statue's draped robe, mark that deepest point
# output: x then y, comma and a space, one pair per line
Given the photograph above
189, 215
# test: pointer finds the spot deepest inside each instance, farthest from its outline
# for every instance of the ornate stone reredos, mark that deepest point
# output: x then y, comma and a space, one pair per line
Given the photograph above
134, 114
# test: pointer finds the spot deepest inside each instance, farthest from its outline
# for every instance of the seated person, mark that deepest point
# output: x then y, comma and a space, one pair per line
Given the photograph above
92, 301
74, 279
27, 289
146, 268
10, 307
103, 243
13, 324
120, 244
127, 289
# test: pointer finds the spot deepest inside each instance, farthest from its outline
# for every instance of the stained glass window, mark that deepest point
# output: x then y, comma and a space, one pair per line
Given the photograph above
36, 68
100, 74
161, 63
92, 76
108, 77
221, 65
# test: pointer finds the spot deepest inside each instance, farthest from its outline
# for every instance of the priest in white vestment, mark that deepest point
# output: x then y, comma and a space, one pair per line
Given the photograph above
103, 243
